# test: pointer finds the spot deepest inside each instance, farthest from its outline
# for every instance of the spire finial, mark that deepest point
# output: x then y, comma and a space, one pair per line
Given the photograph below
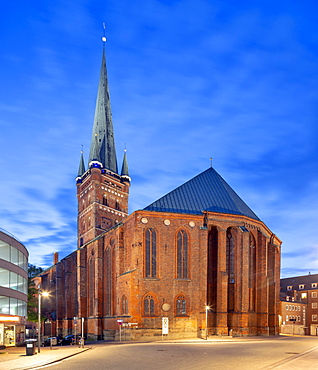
211, 162
104, 37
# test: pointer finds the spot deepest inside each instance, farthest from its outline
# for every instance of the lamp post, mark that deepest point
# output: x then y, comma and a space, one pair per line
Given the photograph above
45, 294
206, 321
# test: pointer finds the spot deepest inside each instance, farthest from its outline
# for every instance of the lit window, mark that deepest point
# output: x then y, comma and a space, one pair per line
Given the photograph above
314, 317
287, 307
286, 317
303, 295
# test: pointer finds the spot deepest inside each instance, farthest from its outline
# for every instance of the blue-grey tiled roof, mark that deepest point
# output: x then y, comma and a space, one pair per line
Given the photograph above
207, 191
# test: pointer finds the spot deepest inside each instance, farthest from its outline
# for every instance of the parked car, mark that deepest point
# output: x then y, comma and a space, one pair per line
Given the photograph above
70, 339
56, 341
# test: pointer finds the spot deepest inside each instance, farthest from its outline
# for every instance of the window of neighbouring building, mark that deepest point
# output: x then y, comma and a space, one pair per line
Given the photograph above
313, 294
314, 317
301, 286
314, 285
314, 305
303, 295
290, 287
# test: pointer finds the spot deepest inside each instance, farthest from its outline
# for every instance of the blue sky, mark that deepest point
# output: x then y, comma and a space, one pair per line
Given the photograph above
189, 80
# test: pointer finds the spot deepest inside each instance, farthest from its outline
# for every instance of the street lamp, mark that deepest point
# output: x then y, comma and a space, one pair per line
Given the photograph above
206, 321
45, 294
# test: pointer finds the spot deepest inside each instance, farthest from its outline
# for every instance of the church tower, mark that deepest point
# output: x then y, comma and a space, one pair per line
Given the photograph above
102, 192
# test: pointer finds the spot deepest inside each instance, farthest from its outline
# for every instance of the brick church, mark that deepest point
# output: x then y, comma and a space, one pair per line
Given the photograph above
198, 256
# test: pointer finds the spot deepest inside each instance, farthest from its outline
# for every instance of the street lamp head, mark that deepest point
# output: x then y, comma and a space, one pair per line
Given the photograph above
207, 307
45, 294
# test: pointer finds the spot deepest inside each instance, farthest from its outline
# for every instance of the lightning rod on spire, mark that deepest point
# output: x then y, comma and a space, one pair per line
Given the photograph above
104, 37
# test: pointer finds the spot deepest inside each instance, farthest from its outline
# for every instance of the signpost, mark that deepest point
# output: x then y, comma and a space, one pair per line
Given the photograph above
120, 322
165, 326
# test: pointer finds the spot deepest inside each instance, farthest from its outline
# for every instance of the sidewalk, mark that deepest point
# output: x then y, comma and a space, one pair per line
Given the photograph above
15, 358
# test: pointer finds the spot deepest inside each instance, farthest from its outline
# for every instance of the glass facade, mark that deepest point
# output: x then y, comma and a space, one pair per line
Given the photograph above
12, 306
13, 290
11, 254
10, 279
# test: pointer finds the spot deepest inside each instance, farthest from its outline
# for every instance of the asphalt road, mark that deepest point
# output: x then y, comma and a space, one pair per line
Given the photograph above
197, 355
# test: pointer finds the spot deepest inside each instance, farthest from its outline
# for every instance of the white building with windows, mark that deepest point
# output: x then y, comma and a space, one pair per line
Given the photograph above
13, 290
303, 290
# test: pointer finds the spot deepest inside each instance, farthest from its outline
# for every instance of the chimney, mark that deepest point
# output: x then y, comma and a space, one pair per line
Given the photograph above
55, 258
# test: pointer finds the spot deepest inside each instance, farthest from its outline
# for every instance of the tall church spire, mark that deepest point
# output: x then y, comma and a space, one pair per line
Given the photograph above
103, 125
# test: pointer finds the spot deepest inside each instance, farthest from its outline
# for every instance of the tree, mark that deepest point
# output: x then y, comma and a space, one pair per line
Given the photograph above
32, 292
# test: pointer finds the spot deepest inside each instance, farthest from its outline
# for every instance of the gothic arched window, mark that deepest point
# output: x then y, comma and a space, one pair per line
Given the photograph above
182, 255
230, 259
109, 282
230, 255
124, 305
151, 253
149, 305
181, 306
252, 273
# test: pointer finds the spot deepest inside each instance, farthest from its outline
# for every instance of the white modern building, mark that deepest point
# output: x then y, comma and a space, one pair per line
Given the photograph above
13, 290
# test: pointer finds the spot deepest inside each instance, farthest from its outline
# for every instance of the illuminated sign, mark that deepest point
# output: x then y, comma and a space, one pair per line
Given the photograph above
9, 318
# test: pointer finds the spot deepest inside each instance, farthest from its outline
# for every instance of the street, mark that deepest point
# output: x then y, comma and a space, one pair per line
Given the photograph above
240, 353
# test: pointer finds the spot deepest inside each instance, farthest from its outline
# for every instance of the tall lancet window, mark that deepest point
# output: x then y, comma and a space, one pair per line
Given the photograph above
230, 259
109, 282
230, 245
182, 255
252, 273
151, 253
91, 285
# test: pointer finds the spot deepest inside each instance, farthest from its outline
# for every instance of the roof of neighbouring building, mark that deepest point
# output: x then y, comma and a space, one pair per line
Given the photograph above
294, 282
207, 191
